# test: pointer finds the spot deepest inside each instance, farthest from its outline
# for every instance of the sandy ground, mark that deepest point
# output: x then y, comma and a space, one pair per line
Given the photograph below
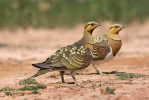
21, 48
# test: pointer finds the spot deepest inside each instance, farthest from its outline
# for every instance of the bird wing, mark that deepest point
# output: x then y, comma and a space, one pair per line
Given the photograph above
101, 47
71, 57
77, 57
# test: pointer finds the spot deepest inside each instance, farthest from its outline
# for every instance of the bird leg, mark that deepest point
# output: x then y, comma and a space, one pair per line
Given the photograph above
73, 73
62, 76
98, 70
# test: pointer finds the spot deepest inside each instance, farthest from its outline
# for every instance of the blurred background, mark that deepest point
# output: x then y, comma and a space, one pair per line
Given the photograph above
69, 13
34, 29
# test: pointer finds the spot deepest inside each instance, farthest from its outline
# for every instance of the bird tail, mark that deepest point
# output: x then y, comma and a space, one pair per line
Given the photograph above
42, 65
40, 72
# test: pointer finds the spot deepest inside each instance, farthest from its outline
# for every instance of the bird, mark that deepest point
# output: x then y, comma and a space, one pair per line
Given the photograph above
106, 47
70, 58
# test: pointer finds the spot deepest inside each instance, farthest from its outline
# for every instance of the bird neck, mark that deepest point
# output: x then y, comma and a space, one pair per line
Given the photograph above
87, 38
114, 36
115, 42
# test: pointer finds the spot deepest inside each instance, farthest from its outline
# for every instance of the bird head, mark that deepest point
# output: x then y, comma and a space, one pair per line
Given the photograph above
115, 28
90, 26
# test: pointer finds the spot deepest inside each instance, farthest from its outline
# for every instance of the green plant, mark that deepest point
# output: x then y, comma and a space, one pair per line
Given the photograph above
6, 89
41, 86
36, 87
28, 81
8, 93
31, 86
35, 92
110, 90
128, 75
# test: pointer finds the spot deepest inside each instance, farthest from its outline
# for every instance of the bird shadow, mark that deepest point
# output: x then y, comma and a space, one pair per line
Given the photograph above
70, 83
112, 72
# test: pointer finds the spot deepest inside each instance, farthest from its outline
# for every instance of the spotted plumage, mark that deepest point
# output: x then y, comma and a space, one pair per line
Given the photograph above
69, 57
106, 47
72, 57
100, 45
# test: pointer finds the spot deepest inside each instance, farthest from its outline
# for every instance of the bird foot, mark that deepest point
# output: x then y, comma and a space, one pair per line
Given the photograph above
99, 72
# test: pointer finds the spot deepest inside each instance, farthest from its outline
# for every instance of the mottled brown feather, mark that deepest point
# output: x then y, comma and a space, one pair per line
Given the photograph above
101, 47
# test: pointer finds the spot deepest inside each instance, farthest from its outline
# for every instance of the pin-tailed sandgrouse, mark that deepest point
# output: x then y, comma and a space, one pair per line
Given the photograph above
106, 46
72, 57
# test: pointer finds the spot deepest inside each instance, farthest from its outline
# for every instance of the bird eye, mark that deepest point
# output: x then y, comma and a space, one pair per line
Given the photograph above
92, 24
116, 26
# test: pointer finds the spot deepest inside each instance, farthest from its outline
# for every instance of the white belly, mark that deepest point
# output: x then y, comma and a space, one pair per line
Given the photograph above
108, 57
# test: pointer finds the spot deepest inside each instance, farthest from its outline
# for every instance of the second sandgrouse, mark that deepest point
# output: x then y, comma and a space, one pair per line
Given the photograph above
106, 46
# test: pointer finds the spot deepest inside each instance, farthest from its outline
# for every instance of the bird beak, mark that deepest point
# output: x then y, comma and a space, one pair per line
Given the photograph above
122, 27
98, 25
